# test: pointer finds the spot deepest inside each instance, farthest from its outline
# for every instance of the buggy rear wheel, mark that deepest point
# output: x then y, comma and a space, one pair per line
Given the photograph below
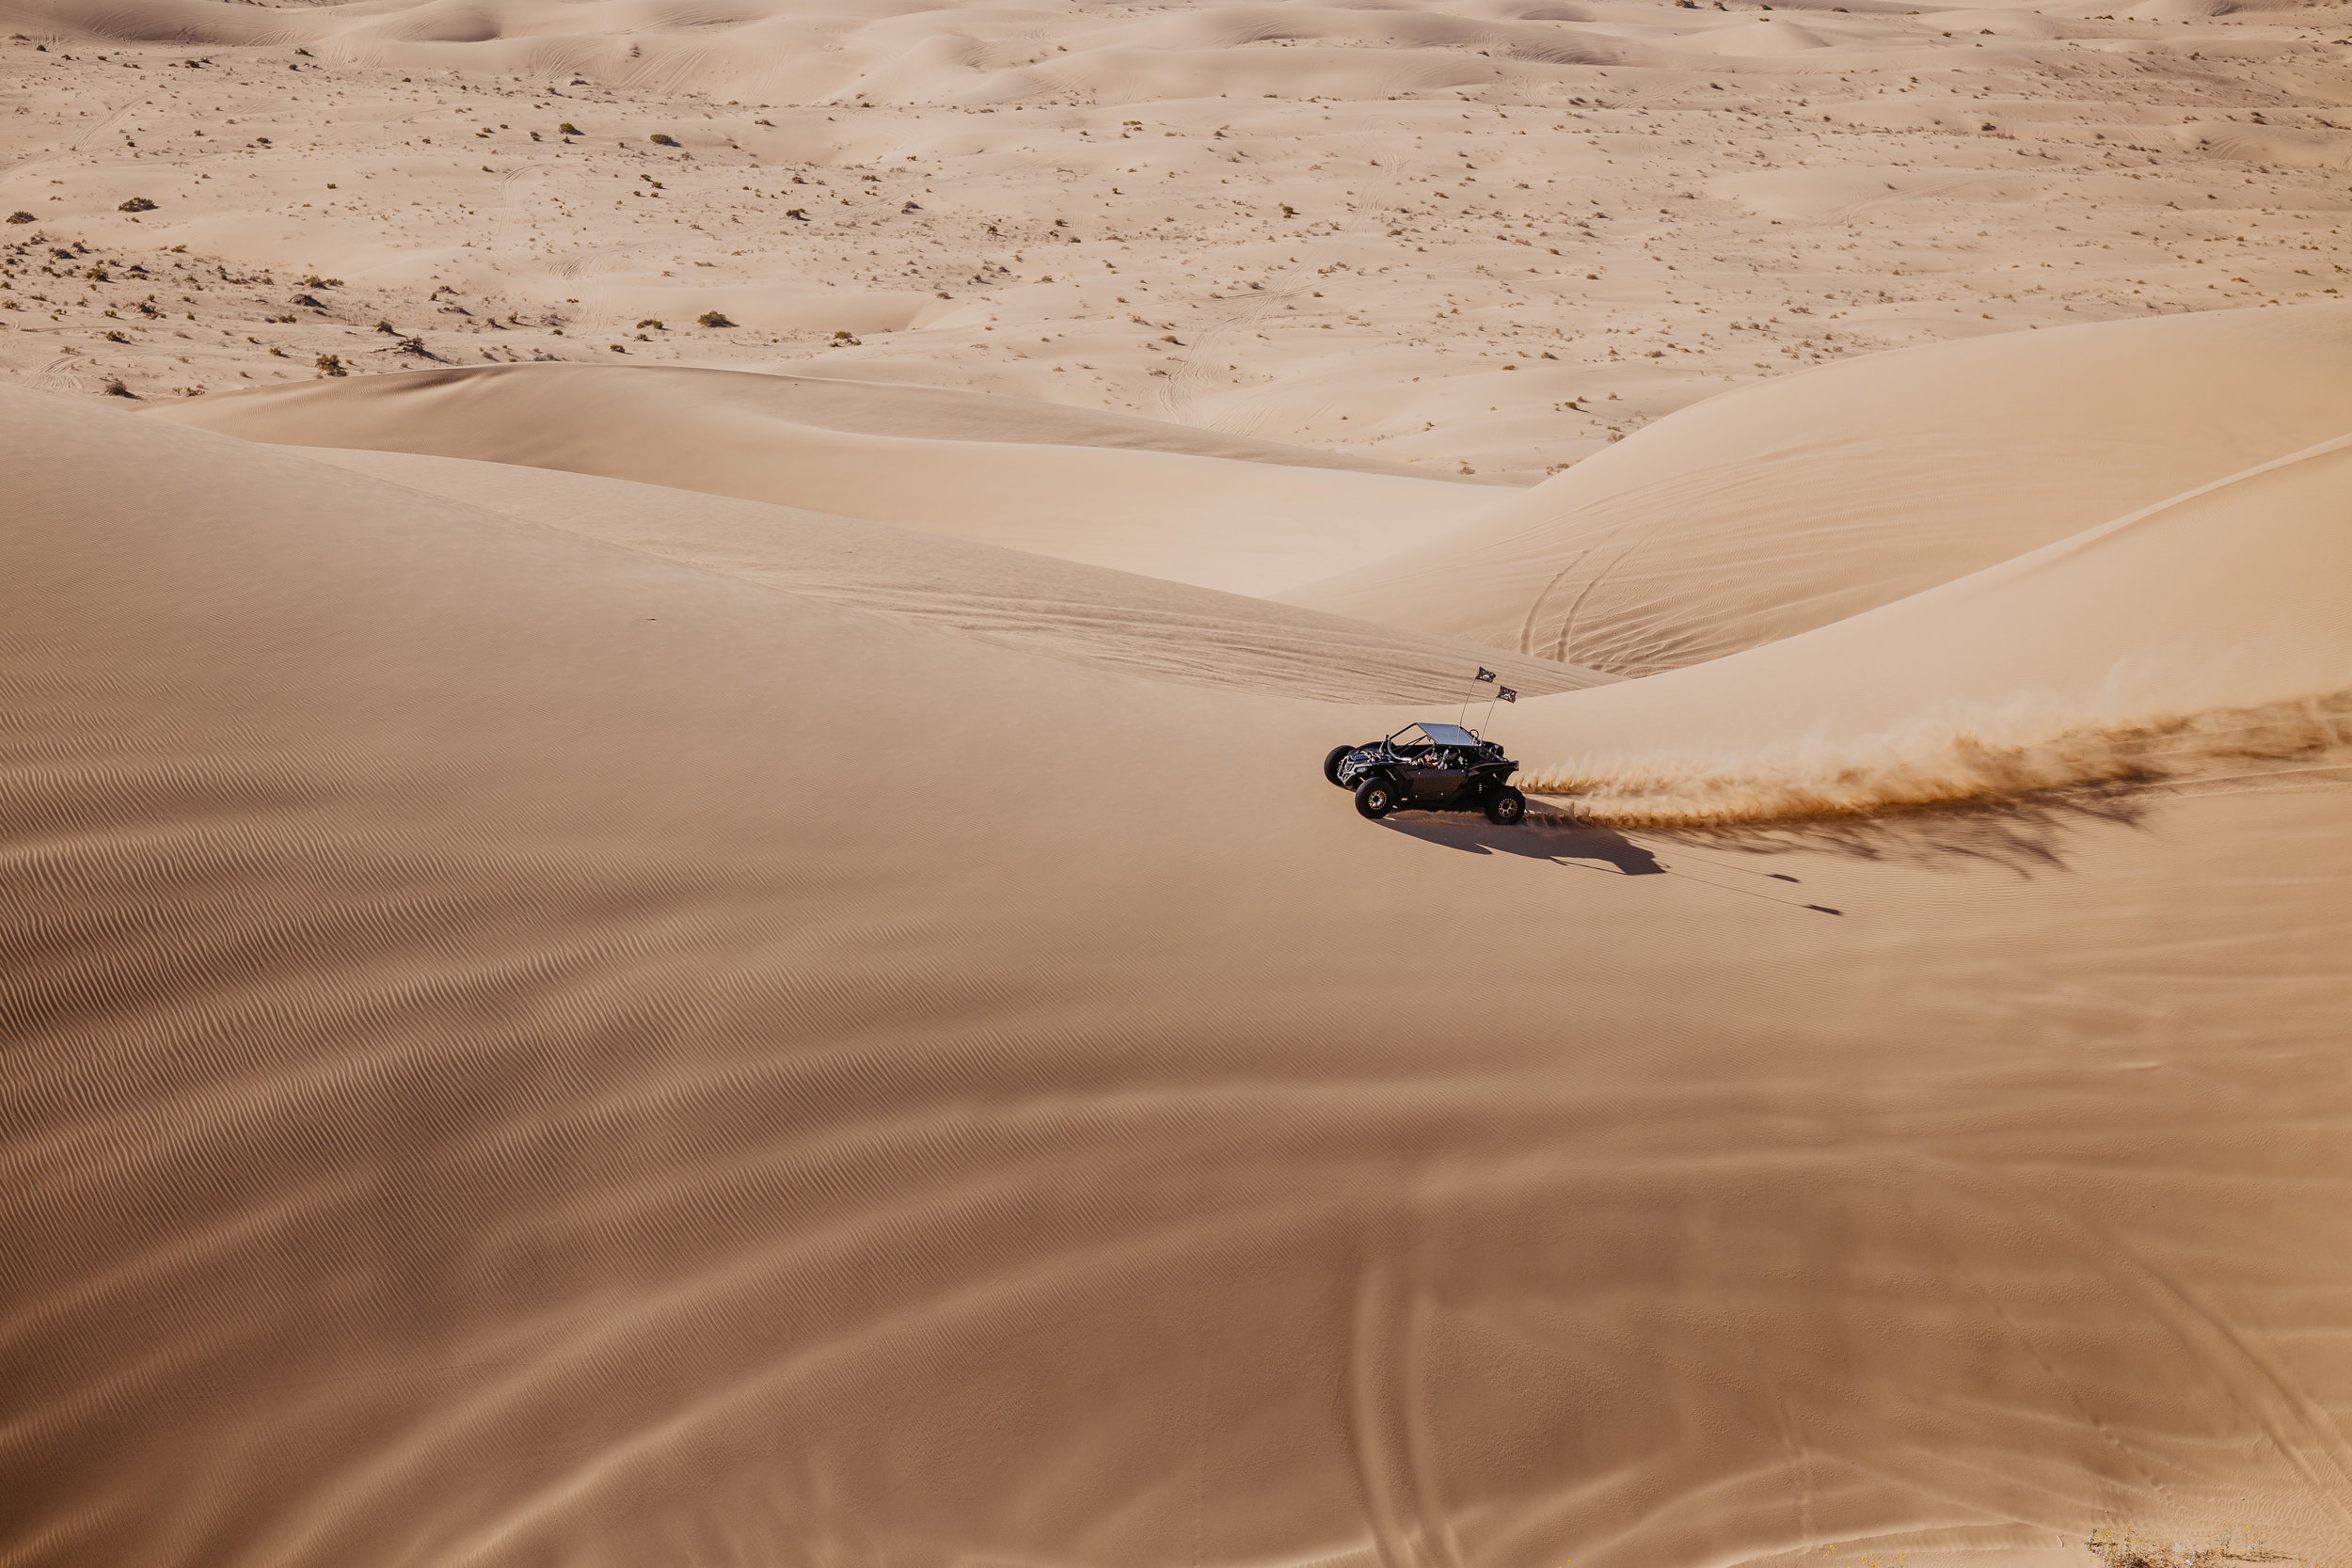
1376, 797
1506, 807
1332, 763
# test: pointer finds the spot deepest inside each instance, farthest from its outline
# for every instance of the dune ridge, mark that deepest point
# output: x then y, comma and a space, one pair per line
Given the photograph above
1168, 630
1223, 515
1768, 512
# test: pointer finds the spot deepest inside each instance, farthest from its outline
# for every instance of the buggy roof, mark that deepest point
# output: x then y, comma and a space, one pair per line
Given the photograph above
1447, 735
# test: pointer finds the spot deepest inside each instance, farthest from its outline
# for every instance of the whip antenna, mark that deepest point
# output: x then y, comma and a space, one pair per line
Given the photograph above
1502, 695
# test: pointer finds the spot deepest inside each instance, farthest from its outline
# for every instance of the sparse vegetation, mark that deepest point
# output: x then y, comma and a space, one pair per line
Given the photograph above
115, 388
2128, 1549
650, 321
20, 216
136, 204
330, 364
117, 338
662, 138
567, 129
315, 282
712, 318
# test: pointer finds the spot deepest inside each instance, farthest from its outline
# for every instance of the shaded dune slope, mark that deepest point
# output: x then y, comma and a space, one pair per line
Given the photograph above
1799, 503
1035, 602
524, 1052
1005, 476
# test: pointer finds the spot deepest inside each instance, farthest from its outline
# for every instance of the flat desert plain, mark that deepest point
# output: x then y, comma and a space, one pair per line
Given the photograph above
667, 893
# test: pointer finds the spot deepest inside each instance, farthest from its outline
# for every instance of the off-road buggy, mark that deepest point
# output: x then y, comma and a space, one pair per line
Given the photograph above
1428, 767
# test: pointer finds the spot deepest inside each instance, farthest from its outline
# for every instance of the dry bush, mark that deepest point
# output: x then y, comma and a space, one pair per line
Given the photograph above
2128, 1549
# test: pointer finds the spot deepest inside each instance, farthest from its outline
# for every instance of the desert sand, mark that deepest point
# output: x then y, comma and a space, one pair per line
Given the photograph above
668, 900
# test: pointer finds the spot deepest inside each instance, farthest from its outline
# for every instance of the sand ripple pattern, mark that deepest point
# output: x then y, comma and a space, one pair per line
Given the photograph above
520, 1051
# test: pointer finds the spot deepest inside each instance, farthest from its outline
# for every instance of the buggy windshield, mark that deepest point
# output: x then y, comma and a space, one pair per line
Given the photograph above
1434, 735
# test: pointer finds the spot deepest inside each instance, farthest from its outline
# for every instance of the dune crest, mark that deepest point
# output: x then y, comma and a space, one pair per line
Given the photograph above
1777, 509
1036, 603
1215, 512
2191, 636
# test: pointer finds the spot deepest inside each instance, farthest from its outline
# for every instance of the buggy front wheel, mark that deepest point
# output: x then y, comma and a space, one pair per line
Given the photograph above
1505, 806
1376, 797
1332, 763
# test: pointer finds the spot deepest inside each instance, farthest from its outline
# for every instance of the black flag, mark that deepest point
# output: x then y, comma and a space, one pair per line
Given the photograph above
1508, 695
1485, 674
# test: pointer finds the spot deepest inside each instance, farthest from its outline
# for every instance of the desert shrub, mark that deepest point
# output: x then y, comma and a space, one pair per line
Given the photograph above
115, 388
19, 217
330, 364
315, 282
117, 338
136, 204
650, 321
567, 129
2128, 1549
662, 138
712, 318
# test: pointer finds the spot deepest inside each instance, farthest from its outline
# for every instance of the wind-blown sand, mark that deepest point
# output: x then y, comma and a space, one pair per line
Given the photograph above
732, 952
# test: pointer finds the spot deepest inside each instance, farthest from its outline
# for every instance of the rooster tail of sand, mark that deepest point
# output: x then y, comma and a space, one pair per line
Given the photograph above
1961, 757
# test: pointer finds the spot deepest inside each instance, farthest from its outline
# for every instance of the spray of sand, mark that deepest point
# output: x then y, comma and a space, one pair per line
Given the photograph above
1951, 760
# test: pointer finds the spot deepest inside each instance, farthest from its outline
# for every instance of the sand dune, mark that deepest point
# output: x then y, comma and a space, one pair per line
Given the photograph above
1005, 596
1249, 525
552, 1134
1800, 503
2212, 621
